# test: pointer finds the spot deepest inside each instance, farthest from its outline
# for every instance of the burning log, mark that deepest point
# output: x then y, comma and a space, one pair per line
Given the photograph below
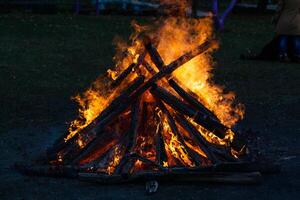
210, 148
160, 145
191, 99
127, 71
173, 66
106, 116
213, 126
123, 75
175, 130
196, 137
132, 134
146, 161
149, 68
154, 55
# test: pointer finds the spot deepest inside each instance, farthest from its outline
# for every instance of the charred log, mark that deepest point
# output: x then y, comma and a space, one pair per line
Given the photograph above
154, 55
132, 134
175, 130
127, 71
173, 66
112, 110
202, 143
213, 126
192, 100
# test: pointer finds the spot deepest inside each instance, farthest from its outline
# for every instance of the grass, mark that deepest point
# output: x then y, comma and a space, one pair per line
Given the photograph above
44, 60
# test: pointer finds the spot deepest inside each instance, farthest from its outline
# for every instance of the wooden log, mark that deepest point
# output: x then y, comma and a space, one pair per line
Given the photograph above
68, 171
211, 125
175, 131
173, 66
211, 149
49, 170
92, 136
149, 68
192, 100
197, 137
160, 145
154, 55
146, 161
212, 177
123, 75
129, 69
122, 97
131, 135
99, 142
59, 145
264, 167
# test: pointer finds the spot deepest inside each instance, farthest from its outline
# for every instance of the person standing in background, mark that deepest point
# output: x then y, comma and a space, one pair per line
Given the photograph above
288, 30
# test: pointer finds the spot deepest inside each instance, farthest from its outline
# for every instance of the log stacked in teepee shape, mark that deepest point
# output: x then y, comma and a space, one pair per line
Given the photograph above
97, 153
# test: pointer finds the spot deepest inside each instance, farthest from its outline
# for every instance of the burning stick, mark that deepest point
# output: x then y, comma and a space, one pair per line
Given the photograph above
132, 134
105, 116
191, 100
129, 69
175, 130
213, 126
154, 55
196, 137
156, 58
160, 145
149, 68
173, 66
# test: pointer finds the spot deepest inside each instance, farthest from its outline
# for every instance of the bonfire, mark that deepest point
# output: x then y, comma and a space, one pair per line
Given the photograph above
157, 114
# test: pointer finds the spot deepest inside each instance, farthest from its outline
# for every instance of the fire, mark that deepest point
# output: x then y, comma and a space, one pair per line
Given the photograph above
173, 36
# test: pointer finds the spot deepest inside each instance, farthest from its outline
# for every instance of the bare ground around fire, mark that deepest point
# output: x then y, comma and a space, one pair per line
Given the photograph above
46, 59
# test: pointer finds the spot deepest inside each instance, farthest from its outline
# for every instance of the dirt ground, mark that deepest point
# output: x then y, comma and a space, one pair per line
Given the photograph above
269, 90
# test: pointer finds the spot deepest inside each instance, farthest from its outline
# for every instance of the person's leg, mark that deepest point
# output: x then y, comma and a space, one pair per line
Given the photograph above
296, 48
283, 48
